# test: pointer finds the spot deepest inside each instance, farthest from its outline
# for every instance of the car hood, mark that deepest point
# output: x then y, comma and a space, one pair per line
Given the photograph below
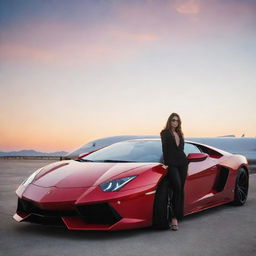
68, 174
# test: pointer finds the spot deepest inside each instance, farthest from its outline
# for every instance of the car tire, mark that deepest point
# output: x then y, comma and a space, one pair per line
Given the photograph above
241, 187
162, 206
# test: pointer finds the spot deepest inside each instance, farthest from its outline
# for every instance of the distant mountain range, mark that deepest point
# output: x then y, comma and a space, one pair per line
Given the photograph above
32, 153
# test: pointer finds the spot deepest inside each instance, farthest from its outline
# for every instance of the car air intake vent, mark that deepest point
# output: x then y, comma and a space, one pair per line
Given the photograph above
51, 221
25, 206
29, 207
222, 178
98, 213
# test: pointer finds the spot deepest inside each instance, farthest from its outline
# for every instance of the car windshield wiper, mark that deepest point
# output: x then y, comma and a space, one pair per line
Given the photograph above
116, 161
84, 160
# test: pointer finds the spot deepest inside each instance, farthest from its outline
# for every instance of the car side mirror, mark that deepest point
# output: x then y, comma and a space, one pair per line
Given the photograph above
197, 157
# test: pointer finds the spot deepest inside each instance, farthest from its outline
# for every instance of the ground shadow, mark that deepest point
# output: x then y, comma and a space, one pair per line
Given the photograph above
61, 231
55, 231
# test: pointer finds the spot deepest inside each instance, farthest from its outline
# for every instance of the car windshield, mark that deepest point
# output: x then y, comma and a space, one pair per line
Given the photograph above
128, 151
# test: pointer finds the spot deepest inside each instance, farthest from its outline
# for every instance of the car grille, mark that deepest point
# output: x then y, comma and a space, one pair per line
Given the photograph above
98, 213
101, 213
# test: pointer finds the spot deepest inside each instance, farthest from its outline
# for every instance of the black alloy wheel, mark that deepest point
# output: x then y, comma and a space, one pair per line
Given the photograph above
162, 206
241, 187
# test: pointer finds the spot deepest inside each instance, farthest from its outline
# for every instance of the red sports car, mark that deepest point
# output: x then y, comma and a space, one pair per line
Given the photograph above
124, 186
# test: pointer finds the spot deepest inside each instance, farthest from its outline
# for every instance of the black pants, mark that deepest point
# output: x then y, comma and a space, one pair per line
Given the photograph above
177, 177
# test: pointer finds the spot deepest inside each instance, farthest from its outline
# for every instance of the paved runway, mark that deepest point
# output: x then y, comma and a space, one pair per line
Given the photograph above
225, 230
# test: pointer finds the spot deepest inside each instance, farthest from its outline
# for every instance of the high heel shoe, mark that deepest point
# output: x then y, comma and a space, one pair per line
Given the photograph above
174, 227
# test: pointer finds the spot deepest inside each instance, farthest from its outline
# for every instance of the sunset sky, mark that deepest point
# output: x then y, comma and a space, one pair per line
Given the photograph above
75, 71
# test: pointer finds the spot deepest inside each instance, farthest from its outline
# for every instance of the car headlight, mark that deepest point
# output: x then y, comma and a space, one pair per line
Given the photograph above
115, 185
31, 177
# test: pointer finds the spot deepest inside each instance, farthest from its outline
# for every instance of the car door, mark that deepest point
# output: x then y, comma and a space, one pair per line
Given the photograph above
200, 181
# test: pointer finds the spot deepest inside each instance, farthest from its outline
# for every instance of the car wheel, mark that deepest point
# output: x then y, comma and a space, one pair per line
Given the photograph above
241, 187
162, 206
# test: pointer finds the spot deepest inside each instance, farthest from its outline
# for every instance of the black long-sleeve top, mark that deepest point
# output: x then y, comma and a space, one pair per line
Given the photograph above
172, 154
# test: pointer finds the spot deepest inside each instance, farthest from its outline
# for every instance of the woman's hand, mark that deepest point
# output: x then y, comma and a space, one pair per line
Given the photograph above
165, 166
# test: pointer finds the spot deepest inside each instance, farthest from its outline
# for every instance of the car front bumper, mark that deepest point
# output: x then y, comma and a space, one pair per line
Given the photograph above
86, 208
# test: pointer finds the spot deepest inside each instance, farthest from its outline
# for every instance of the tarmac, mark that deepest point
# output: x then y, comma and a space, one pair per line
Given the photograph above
223, 231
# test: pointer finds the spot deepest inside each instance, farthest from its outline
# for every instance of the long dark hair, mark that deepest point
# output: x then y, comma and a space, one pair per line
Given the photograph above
168, 125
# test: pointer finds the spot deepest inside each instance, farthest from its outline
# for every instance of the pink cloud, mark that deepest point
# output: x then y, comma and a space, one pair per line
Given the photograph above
188, 7
133, 28
19, 52
128, 36
60, 44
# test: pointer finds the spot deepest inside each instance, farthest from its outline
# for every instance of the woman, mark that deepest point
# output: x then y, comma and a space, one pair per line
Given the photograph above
176, 160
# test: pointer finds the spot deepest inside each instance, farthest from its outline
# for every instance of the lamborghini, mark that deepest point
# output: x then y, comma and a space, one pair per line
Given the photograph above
124, 186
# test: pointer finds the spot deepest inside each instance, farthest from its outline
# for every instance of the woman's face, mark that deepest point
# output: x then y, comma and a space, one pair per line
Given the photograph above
174, 122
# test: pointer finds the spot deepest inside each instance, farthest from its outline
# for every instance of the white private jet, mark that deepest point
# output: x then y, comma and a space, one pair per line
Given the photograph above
236, 145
